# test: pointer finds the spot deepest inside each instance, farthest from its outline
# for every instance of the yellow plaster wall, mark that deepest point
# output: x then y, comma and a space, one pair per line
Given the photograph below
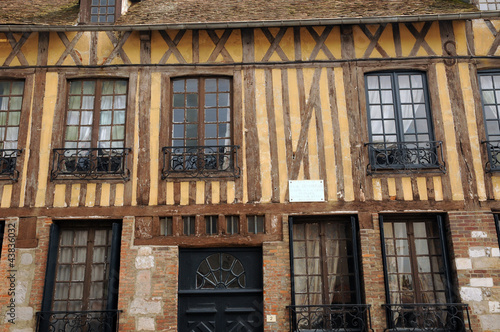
132, 48
49, 104
483, 38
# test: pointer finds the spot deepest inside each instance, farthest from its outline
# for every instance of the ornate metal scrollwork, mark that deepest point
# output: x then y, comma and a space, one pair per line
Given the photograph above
330, 317
90, 163
493, 148
89, 321
200, 162
428, 317
404, 156
8, 161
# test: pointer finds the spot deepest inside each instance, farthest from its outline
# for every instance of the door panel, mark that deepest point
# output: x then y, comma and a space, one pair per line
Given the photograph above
220, 290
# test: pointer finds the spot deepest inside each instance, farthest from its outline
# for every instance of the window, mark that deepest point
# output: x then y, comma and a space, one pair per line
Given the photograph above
489, 83
11, 100
232, 225
211, 223
202, 129
399, 122
166, 226
100, 11
255, 224
82, 276
417, 272
94, 138
189, 223
325, 269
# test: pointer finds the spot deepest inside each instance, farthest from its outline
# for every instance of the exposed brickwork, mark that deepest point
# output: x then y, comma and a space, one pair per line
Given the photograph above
164, 285
277, 287
127, 275
473, 240
373, 273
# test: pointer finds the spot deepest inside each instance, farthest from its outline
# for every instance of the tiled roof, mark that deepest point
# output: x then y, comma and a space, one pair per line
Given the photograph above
65, 12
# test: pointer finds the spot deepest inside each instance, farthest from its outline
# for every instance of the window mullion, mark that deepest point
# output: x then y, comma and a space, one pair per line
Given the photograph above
413, 262
201, 112
88, 269
324, 263
397, 108
96, 114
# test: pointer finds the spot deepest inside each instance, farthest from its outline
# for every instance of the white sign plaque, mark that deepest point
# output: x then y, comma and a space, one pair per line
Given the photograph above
306, 190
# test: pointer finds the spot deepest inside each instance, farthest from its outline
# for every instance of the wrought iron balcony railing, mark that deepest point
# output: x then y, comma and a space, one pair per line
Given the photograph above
8, 161
90, 163
403, 156
428, 317
85, 321
330, 317
493, 148
200, 162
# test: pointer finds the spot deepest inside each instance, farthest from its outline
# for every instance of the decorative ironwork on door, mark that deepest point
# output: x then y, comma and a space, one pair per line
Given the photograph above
220, 271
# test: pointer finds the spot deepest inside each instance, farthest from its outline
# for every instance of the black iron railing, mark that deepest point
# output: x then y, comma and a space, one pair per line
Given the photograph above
90, 163
331, 317
402, 156
493, 148
428, 317
84, 321
200, 162
8, 161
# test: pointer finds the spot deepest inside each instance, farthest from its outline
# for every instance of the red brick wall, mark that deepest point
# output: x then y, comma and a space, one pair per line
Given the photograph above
461, 227
277, 287
373, 272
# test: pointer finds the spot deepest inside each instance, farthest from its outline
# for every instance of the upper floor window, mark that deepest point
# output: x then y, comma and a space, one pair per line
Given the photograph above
11, 100
399, 122
489, 82
202, 129
94, 138
100, 11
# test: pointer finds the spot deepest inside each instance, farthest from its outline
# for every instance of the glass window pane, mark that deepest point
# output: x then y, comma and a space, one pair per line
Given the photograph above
192, 100
224, 115
486, 82
178, 115
75, 102
404, 81
192, 85
210, 130
211, 85
178, 86
385, 82
17, 88
372, 82
106, 117
211, 115
224, 85
211, 100
178, 100
192, 115
118, 132
16, 103
14, 118
223, 99
88, 87
119, 117
191, 131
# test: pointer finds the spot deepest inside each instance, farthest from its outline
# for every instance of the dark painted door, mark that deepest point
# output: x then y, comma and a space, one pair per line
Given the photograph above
220, 290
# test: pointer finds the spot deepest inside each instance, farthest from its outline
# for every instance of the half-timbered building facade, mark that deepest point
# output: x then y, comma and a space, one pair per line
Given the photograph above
249, 165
